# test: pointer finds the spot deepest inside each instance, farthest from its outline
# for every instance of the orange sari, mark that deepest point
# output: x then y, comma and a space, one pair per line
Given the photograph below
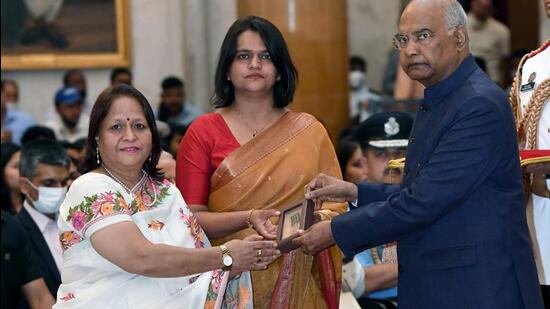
270, 172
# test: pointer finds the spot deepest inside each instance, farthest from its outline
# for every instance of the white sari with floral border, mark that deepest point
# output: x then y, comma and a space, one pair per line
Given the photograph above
95, 201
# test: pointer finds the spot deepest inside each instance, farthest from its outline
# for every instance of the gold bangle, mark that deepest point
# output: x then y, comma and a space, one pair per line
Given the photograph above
248, 217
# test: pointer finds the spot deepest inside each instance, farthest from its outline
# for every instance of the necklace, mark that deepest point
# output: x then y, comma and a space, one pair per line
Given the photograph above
254, 132
130, 191
116, 178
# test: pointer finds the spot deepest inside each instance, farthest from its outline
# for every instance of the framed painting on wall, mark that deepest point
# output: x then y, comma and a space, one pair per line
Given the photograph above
62, 34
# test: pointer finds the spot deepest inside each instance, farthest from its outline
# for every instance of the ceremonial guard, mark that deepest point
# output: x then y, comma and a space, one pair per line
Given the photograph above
529, 98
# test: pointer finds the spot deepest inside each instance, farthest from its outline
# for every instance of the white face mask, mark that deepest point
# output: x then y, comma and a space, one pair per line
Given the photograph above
356, 79
49, 199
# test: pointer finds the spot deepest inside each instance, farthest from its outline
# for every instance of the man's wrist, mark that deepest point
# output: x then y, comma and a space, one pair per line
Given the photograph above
353, 194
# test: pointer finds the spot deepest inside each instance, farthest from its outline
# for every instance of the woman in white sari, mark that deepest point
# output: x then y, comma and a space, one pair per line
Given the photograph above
128, 238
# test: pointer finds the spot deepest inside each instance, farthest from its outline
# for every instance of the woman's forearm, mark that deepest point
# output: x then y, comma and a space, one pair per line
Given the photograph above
169, 261
124, 245
220, 224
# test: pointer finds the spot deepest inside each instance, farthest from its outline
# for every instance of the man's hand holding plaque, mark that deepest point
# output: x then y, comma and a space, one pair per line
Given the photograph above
323, 188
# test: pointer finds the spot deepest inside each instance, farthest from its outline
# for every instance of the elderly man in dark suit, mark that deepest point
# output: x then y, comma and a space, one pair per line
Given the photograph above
459, 215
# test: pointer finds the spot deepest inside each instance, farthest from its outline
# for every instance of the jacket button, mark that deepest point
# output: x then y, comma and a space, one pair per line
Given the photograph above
412, 140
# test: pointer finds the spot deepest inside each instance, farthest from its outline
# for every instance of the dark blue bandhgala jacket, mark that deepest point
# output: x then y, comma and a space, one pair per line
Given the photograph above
459, 216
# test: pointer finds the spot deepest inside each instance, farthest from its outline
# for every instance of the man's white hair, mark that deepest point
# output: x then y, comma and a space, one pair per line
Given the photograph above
455, 15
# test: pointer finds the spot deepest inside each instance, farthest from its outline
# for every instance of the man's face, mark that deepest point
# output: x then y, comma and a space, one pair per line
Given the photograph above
377, 164
51, 176
173, 99
122, 78
430, 54
73, 174
482, 9
70, 113
76, 80
10, 93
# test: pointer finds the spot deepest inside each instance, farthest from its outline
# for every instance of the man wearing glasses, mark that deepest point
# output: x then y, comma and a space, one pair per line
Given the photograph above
459, 215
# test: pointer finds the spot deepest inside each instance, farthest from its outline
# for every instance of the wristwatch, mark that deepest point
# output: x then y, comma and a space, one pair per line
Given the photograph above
227, 259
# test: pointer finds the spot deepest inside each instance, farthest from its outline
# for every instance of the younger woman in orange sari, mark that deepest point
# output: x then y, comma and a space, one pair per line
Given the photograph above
239, 166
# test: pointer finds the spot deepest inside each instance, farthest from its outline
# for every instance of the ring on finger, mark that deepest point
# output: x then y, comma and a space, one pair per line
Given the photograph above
259, 252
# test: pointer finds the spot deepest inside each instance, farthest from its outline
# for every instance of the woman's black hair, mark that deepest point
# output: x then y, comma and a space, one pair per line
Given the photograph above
7, 151
283, 90
344, 152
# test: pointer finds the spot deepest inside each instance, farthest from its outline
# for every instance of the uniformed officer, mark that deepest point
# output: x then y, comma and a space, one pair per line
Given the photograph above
384, 137
529, 96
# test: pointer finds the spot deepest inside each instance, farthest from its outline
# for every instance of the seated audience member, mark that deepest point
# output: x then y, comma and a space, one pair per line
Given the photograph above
352, 162
384, 137
489, 38
14, 121
74, 173
37, 133
44, 172
167, 165
172, 141
121, 76
75, 78
75, 150
10, 195
21, 274
10, 91
173, 109
69, 125
129, 239
361, 104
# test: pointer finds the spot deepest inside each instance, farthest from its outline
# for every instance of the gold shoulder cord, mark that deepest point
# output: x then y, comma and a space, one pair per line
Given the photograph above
527, 124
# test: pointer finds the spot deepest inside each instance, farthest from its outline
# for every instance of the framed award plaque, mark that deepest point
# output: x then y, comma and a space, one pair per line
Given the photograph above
292, 219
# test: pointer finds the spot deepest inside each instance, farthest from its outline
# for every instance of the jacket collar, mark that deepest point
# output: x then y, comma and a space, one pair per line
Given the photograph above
444, 87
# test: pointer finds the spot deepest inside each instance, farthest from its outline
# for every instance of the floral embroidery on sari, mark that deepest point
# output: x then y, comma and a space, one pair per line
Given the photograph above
214, 289
196, 230
155, 225
67, 297
102, 205
68, 239
238, 293
96, 206
145, 198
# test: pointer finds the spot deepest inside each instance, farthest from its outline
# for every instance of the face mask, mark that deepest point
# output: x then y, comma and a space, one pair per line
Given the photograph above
356, 79
49, 199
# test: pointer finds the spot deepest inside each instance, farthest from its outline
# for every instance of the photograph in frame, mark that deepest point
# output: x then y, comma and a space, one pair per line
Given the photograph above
292, 219
62, 34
